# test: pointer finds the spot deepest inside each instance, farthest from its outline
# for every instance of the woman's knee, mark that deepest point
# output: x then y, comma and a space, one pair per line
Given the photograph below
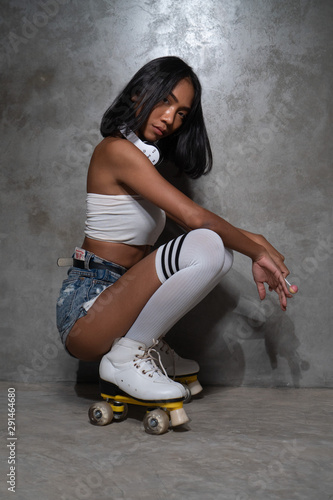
203, 249
200, 248
206, 247
207, 240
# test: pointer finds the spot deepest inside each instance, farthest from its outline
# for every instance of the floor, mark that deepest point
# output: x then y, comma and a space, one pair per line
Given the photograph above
241, 444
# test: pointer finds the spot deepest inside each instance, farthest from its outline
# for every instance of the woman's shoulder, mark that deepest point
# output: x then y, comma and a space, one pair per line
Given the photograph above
109, 158
110, 145
113, 149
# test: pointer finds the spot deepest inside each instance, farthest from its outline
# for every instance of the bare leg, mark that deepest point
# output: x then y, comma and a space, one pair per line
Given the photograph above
142, 308
114, 311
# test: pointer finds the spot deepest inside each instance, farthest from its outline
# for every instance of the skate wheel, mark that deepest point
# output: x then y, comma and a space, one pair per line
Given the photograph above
156, 422
100, 413
188, 396
120, 410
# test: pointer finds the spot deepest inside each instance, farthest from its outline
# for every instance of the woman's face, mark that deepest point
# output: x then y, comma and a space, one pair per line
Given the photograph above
169, 114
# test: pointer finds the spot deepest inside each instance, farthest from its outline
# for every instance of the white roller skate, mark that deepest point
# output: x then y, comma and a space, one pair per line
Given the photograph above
129, 375
184, 371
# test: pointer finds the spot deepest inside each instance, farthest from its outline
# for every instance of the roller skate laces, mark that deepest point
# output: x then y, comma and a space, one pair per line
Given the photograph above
147, 359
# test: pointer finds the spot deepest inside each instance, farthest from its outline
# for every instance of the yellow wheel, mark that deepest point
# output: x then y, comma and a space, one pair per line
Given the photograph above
156, 422
100, 413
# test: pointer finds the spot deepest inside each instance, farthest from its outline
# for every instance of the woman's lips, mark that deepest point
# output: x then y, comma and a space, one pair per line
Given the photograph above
158, 130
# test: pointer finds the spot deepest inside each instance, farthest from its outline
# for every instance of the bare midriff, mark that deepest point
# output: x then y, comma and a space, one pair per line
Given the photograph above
119, 253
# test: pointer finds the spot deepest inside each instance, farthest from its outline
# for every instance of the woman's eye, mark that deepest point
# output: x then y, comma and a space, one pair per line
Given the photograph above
166, 100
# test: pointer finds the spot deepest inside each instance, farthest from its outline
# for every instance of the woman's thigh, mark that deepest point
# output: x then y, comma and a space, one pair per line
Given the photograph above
114, 311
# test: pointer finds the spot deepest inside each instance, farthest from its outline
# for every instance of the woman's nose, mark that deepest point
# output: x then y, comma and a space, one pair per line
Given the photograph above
168, 116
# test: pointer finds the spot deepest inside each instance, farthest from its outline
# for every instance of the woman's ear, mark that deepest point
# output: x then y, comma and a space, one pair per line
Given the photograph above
135, 97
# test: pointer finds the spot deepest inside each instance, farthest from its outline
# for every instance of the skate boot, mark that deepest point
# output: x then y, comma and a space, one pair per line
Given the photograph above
179, 369
129, 374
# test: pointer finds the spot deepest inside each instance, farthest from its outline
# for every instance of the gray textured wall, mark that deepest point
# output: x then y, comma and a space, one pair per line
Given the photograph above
266, 70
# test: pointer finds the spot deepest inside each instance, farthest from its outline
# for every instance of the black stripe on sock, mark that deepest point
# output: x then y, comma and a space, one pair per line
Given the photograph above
180, 244
170, 257
162, 262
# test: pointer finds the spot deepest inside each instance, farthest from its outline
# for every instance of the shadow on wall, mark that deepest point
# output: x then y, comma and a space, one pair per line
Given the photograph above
217, 331
223, 331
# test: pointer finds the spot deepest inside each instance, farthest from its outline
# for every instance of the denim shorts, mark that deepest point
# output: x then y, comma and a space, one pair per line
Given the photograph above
80, 290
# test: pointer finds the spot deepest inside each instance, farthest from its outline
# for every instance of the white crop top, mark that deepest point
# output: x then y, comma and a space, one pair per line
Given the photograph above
129, 219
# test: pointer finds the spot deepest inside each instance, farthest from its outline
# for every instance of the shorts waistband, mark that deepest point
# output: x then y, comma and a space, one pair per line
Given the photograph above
88, 260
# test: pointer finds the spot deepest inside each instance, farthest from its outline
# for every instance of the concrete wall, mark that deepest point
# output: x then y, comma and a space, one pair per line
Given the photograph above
266, 70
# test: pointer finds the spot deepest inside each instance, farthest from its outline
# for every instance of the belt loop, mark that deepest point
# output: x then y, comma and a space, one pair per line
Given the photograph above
87, 259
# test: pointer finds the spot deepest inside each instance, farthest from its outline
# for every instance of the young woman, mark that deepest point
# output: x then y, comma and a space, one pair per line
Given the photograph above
121, 297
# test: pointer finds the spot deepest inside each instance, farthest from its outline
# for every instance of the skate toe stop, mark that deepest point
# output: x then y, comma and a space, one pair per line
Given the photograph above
195, 387
178, 417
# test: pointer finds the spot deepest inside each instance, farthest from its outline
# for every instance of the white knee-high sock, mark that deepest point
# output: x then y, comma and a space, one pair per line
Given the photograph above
189, 267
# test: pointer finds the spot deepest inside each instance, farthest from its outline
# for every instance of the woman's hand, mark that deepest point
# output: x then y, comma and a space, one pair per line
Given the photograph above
265, 270
274, 254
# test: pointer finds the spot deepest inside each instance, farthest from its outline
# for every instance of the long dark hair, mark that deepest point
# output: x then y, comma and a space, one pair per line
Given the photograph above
189, 146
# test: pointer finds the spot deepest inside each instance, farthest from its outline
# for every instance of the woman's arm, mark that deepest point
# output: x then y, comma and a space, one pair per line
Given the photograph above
130, 167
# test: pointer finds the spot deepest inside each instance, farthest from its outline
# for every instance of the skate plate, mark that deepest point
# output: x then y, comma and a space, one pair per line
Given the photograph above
160, 416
